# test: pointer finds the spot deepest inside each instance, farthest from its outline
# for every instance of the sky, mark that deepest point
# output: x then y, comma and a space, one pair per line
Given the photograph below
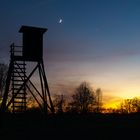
96, 41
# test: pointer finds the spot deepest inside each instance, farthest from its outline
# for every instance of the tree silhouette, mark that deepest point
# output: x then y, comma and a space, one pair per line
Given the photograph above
130, 105
136, 104
83, 99
3, 74
98, 97
59, 103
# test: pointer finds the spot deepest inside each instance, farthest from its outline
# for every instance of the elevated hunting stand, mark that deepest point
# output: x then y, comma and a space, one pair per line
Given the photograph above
18, 82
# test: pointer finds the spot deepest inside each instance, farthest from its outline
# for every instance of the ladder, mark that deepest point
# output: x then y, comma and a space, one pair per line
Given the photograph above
18, 77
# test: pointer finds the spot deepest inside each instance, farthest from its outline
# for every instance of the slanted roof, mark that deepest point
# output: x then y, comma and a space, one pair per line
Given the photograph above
31, 29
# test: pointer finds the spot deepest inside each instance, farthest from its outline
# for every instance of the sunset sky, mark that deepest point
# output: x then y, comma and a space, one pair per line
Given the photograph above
97, 41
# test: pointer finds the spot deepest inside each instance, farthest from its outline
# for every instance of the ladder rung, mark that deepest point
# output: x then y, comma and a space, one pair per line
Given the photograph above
20, 97
16, 88
18, 80
20, 64
17, 51
18, 76
18, 106
19, 111
22, 92
17, 84
23, 89
19, 68
19, 102
19, 72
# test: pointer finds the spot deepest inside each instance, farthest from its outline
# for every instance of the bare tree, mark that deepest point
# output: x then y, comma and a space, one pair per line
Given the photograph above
130, 105
98, 96
83, 99
136, 104
3, 74
59, 103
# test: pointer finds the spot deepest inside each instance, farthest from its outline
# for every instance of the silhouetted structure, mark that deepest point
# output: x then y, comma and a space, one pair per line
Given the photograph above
17, 82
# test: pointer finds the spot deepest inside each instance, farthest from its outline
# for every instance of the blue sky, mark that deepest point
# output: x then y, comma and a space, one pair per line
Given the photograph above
97, 41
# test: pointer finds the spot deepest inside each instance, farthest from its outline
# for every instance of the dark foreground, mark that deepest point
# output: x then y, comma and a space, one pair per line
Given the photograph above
67, 126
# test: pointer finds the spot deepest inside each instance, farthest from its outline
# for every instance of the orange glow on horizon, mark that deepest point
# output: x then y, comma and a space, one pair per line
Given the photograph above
113, 105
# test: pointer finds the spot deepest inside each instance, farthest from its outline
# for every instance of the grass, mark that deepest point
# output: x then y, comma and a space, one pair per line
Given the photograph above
97, 126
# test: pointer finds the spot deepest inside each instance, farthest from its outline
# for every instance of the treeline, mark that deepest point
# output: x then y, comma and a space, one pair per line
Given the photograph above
84, 100
127, 106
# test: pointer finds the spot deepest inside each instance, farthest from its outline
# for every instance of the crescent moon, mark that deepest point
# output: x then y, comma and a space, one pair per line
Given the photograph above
60, 21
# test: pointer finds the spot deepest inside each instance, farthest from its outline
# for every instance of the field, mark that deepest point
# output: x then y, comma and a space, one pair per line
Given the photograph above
89, 126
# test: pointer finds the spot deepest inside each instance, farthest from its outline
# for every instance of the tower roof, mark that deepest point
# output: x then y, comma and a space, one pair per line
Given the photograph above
31, 29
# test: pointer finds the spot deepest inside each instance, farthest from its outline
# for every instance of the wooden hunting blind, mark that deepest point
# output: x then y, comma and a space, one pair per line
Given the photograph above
32, 43
18, 82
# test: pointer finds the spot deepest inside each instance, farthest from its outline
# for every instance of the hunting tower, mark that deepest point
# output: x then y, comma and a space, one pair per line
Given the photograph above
18, 82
